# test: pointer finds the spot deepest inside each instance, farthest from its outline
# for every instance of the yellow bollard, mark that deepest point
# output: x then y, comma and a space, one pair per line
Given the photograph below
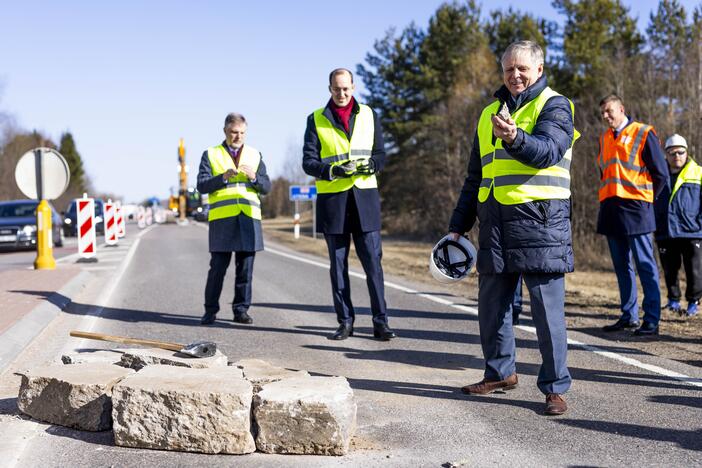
45, 258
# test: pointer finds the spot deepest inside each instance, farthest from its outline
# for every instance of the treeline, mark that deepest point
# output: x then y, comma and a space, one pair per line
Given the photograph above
430, 84
15, 142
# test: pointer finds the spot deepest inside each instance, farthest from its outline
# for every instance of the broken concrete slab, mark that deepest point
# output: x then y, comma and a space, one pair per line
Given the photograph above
305, 415
77, 396
138, 358
110, 356
184, 409
260, 372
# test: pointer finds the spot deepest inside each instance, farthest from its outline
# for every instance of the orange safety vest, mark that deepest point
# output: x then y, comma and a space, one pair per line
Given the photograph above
622, 171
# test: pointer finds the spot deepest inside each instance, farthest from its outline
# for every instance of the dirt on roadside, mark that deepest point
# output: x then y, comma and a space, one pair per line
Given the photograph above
592, 297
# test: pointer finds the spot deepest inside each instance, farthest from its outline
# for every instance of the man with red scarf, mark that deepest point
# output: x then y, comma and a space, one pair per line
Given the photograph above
343, 150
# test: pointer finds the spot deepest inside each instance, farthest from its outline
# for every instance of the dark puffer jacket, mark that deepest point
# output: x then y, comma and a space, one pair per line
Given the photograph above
533, 237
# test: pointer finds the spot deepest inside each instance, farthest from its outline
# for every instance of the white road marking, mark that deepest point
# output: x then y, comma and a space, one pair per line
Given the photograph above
88, 322
473, 311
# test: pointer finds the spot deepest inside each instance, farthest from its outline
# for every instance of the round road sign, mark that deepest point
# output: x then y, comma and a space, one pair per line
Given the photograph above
42, 173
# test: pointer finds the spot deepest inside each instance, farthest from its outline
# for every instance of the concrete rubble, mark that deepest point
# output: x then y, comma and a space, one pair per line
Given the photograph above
305, 415
76, 396
137, 358
260, 372
203, 405
195, 410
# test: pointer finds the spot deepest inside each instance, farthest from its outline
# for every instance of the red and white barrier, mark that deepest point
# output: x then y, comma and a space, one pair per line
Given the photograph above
110, 223
141, 217
149, 216
87, 242
121, 229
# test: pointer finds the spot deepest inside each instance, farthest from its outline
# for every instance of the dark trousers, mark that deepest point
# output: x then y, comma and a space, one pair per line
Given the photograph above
547, 293
370, 252
640, 247
517, 301
219, 262
688, 252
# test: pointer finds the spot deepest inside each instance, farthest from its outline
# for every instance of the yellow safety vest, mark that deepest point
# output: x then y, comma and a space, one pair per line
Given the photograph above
336, 149
238, 196
513, 182
691, 173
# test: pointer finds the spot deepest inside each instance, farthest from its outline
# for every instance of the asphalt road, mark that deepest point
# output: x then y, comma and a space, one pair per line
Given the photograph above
626, 408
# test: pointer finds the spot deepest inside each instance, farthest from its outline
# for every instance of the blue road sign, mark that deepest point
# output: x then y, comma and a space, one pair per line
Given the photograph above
303, 192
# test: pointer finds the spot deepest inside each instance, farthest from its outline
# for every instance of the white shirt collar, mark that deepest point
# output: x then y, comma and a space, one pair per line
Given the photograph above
621, 127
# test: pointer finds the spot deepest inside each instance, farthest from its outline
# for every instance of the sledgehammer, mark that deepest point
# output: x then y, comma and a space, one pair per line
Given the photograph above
199, 349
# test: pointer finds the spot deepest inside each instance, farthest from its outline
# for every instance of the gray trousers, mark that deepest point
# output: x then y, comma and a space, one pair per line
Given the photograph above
547, 293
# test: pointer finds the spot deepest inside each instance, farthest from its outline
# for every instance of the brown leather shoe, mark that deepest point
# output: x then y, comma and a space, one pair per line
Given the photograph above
555, 405
486, 386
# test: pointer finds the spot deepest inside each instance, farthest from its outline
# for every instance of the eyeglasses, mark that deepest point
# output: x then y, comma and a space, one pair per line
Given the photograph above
676, 153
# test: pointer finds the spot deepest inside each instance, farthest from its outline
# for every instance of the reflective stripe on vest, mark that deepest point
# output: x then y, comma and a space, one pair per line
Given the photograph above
622, 170
511, 181
336, 149
691, 173
238, 196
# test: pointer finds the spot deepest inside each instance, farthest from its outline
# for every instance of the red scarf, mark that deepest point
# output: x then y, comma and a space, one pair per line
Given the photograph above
343, 113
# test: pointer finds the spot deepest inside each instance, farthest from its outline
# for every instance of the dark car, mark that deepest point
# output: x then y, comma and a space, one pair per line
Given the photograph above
70, 219
18, 225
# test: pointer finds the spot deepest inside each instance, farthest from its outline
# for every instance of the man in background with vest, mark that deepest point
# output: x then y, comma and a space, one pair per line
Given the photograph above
234, 175
518, 185
343, 150
633, 174
679, 227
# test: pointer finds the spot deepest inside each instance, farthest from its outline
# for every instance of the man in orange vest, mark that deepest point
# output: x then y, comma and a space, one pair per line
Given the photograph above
633, 173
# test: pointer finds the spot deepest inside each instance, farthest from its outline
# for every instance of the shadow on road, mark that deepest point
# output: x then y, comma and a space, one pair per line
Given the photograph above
454, 361
688, 440
392, 313
8, 407
437, 360
127, 315
105, 438
692, 402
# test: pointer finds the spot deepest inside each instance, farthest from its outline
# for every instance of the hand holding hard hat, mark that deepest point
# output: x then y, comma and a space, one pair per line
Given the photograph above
452, 258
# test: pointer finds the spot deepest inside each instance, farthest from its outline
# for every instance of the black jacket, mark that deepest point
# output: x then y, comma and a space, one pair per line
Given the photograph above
332, 208
533, 237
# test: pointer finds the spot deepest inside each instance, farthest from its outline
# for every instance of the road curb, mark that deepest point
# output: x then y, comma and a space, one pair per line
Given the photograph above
20, 335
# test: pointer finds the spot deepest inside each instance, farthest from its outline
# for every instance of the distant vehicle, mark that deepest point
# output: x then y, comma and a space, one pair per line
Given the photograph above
70, 219
202, 213
193, 202
18, 225
129, 211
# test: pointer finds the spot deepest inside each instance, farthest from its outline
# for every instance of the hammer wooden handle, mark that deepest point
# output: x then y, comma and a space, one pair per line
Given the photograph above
126, 340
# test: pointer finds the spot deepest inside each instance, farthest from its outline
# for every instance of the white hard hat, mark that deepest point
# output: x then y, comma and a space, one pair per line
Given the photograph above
451, 260
675, 140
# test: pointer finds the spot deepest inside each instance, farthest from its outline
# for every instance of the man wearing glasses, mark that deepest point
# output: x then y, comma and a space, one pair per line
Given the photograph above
679, 227
633, 173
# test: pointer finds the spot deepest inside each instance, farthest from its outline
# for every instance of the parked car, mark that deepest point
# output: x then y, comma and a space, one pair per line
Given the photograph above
70, 218
18, 225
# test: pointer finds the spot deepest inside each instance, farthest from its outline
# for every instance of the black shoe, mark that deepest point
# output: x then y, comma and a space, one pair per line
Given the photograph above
646, 329
243, 317
383, 333
208, 318
343, 332
620, 325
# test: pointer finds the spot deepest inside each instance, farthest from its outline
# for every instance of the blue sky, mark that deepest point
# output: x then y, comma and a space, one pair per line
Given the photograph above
130, 78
